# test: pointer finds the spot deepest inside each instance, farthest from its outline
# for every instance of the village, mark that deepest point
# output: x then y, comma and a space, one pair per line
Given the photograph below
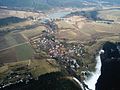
68, 55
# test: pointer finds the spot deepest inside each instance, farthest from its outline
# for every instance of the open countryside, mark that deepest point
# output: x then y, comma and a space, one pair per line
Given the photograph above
54, 40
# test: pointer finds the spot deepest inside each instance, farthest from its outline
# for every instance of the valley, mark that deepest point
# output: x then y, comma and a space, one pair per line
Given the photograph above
38, 43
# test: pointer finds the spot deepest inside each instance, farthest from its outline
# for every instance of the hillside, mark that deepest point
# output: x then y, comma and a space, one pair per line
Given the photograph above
45, 4
46, 44
113, 1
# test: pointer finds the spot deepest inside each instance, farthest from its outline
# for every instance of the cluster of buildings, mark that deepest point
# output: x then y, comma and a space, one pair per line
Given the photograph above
18, 75
67, 54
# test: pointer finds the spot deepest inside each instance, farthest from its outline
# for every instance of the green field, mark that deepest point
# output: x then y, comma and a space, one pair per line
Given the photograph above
10, 40
13, 39
24, 52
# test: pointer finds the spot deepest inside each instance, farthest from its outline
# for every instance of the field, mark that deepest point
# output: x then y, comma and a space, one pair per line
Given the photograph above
110, 15
73, 28
11, 39
8, 56
35, 67
15, 48
21, 14
14, 45
16, 25
17, 53
64, 25
70, 28
24, 52
93, 27
86, 30
3, 43
43, 66
33, 32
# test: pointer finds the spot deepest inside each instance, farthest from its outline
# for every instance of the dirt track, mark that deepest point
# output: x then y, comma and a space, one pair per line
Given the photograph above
12, 46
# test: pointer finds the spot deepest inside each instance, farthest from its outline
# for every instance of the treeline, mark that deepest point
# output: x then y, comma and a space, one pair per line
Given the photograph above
10, 20
92, 15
